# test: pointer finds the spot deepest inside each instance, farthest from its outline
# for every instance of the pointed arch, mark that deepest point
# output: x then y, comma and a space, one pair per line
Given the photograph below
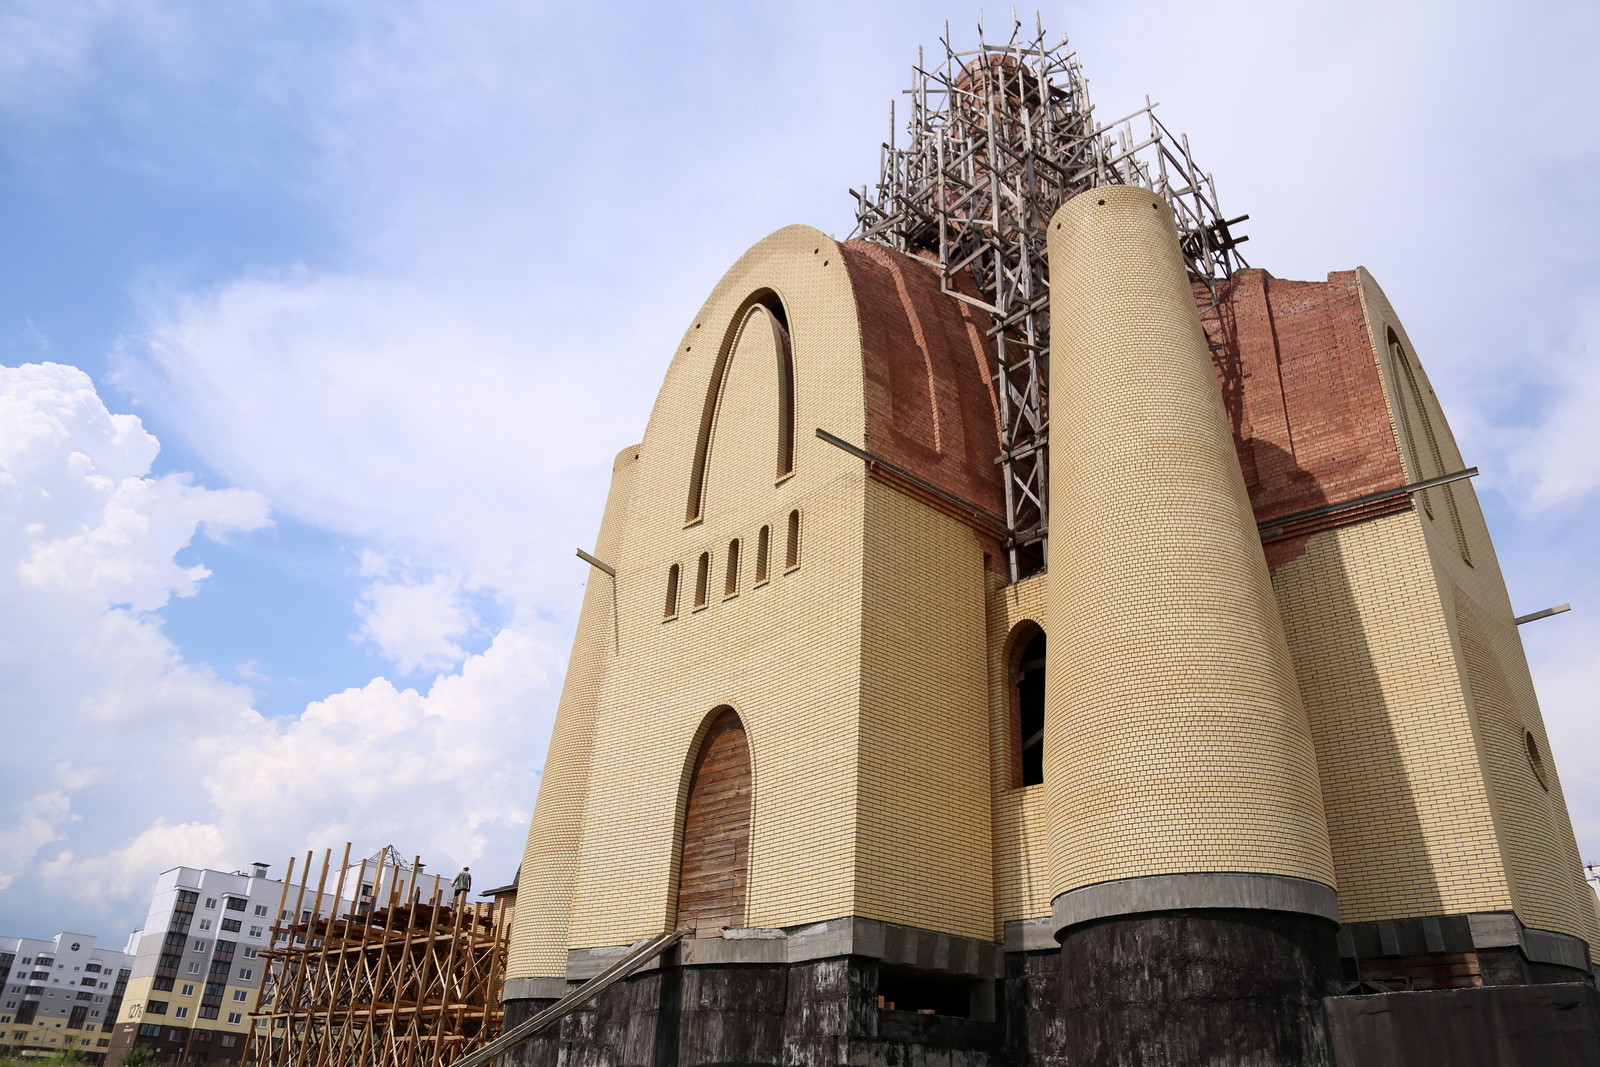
1408, 397
763, 304
714, 850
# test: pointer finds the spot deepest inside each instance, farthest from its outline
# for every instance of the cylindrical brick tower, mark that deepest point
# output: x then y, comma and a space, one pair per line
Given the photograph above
1191, 875
537, 968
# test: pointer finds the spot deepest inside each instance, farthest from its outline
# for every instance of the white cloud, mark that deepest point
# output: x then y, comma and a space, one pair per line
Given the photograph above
129, 759
415, 624
1557, 458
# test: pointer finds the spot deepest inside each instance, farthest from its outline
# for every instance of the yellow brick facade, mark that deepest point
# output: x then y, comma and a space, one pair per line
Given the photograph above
1021, 825
1356, 720
1175, 740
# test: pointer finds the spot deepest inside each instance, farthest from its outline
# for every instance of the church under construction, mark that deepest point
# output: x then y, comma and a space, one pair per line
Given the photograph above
1027, 634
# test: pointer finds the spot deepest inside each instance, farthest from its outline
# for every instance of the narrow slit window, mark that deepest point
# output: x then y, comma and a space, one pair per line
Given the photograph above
702, 580
672, 592
763, 550
792, 560
730, 585
1030, 712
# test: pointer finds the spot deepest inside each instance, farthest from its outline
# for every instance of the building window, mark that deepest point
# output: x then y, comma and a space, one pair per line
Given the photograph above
228, 1040
671, 611
763, 550
730, 584
239, 995
188, 989
702, 580
231, 926
236, 903
261, 909
205, 924
792, 559
149, 1030
251, 952
245, 974
194, 966
1535, 759
1028, 676
200, 945
156, 1007
211, 902
182, 1011
235, 1018
255, 931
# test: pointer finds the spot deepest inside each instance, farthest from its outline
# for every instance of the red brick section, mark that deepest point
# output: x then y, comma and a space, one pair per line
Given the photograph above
1301, 385
715, 863
929, 379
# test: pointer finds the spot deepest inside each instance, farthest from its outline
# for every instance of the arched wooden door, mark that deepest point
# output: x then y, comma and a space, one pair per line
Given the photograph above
714, 863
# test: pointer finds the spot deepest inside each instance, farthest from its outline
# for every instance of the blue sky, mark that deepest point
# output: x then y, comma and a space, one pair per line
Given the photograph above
390, 283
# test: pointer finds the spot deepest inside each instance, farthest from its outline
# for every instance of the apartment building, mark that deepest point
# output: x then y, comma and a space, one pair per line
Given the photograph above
59, 994
198, 966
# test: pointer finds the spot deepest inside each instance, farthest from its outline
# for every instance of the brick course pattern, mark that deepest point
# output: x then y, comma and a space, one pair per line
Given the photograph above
1346, 702
1175, 740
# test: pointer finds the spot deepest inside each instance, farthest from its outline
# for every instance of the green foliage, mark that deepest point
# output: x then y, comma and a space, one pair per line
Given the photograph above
68, 1057
138, 1056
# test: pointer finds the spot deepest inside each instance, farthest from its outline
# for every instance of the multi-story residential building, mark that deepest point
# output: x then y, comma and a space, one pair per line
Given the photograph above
60, 994
198, 968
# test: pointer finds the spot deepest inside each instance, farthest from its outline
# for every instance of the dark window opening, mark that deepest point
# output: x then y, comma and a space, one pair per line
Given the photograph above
792, 560
702, 580
904, 989
730, 585
763, 550
1030, 711
672, 592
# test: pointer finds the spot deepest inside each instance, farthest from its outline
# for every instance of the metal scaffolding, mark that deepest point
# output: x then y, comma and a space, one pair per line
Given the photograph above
391, 981
1000, 137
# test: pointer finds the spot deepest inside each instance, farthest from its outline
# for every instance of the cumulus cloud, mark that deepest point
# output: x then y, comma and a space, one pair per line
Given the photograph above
415, 624
137, 760
1557, 458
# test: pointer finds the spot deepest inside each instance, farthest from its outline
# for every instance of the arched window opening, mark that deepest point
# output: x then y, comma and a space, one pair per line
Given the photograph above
765, 305
763, 550
714, 859
1408, 388
672, 592
792, 559
1029, 679
702, 580
730, 585
1535, 759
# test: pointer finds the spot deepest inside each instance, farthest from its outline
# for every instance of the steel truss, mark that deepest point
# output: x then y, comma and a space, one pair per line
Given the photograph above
1000, 137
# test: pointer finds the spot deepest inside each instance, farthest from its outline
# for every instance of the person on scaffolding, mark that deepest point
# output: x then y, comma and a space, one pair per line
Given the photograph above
462, 885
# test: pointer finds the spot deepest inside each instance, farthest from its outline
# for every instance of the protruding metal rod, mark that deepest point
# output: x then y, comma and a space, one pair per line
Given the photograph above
950, 498
1273, 527
1545, 614
597, 564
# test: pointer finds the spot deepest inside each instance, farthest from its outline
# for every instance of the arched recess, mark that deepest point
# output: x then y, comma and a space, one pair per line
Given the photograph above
762, 305
1413, 412
714, 857
1025, 662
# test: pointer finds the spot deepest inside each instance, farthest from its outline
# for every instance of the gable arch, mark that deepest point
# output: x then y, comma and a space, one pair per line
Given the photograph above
713, 868
764, 305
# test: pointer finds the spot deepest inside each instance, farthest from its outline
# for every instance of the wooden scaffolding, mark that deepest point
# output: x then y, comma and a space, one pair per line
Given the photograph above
400, 977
